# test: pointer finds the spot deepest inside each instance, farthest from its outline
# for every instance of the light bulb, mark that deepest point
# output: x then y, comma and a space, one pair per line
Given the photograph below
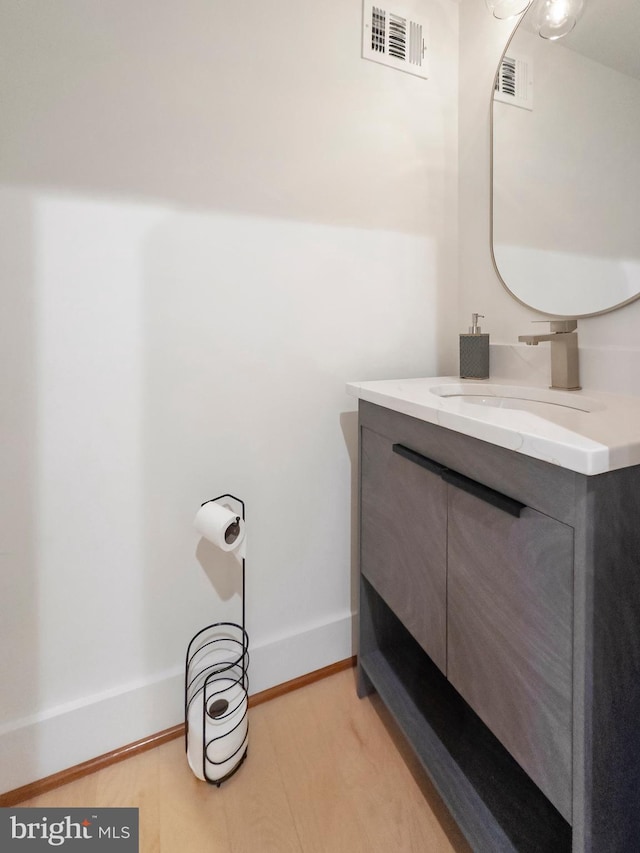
556, 18
558, 11
507, 8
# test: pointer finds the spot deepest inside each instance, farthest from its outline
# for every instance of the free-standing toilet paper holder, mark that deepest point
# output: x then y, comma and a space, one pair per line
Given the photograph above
217, 687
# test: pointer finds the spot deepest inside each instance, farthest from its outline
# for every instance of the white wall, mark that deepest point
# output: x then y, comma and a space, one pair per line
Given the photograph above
211, 219
610, 357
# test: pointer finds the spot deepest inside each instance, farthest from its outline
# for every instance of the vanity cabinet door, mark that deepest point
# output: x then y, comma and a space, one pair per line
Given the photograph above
510, 623
403, 539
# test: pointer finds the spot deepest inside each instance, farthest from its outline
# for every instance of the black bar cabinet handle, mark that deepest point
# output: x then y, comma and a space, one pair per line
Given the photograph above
419, 459
492, 497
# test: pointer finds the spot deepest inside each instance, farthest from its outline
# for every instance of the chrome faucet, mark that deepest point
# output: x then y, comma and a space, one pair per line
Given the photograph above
565, 369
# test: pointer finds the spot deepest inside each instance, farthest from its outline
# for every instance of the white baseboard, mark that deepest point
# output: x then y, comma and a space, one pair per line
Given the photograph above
46, 743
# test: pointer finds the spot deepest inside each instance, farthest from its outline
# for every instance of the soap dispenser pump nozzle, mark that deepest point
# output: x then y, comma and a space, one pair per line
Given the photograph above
474, 328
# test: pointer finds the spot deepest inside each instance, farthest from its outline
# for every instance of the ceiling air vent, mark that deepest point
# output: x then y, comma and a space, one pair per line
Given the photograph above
514, 83
394, 36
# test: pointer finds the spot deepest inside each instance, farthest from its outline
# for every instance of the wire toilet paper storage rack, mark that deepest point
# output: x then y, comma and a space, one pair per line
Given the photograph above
216, 689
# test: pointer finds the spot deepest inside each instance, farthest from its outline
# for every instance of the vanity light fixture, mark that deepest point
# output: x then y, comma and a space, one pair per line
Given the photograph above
556, 18
503, 9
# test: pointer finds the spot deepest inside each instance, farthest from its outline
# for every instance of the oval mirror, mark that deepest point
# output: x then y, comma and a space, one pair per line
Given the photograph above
566, 163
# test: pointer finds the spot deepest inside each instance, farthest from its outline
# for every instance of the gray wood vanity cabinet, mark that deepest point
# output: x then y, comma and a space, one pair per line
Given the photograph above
500, 624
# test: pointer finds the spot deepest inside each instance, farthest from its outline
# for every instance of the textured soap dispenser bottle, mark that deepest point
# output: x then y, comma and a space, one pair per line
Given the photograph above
474, 352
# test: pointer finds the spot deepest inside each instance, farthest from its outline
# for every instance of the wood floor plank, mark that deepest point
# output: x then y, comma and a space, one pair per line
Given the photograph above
138, 788
383, 790
384, 805
192, 814
258, 814
313, 778
326, 773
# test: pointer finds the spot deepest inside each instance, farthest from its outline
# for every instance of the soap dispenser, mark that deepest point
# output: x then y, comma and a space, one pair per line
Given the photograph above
474, 352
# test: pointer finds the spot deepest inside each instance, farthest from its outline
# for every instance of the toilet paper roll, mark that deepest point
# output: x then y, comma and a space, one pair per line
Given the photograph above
226, 725
220, 525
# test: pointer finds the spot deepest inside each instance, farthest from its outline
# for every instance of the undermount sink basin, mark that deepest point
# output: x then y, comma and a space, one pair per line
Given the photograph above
540, 401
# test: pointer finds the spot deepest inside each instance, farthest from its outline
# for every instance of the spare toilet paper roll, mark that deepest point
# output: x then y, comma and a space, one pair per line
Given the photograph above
220, 525
225, 729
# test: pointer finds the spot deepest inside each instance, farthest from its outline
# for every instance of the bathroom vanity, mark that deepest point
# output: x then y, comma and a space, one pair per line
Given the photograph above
500, 604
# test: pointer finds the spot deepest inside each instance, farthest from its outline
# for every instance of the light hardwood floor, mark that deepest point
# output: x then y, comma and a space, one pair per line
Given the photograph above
326, 773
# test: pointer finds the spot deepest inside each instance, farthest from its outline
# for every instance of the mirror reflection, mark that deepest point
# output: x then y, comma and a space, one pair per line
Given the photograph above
566, 163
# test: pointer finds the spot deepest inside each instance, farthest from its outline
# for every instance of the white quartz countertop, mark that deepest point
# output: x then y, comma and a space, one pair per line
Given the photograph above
585, 431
